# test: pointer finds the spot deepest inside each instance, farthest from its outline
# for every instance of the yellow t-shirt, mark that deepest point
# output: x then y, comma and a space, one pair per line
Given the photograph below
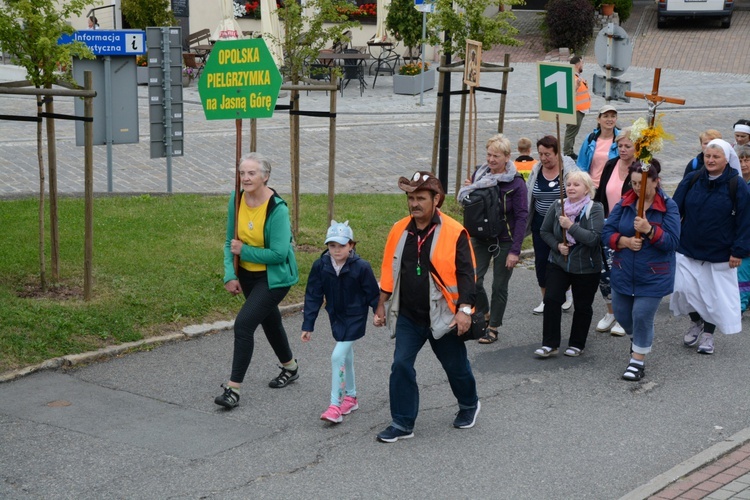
250, 224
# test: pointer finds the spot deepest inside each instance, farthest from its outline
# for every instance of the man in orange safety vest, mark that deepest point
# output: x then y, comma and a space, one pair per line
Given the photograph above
583, 104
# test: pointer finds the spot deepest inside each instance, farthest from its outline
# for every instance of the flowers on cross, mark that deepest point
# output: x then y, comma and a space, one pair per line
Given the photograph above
412, 69
141, 61
648, 140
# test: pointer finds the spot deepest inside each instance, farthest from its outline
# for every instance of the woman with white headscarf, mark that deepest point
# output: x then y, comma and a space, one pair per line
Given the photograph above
714, 204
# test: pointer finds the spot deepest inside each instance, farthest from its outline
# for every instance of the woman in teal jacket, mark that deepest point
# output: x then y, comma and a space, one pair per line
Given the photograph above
267, 269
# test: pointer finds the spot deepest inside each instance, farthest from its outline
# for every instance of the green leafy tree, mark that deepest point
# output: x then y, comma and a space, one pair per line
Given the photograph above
466, 19
140, 14
304, 37
405, 23
29, 30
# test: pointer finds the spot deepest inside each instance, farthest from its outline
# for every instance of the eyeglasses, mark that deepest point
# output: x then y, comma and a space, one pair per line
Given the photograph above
416, 175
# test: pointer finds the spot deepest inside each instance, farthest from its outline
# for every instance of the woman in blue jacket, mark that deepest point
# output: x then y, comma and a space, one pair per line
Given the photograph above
643, 268
715, 237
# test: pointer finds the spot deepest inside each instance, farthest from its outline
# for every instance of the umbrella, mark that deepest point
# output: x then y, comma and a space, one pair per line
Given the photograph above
380, 32
269, 25
228, 28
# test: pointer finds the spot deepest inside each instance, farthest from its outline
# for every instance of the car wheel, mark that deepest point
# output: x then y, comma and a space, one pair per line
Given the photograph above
726, 22
661, 23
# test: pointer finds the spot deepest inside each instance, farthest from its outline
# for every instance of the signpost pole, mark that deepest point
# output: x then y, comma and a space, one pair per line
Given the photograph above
108, 119
237, 186
166, 66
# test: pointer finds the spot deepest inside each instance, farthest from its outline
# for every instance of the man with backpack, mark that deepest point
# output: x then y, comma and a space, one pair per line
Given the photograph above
495, 211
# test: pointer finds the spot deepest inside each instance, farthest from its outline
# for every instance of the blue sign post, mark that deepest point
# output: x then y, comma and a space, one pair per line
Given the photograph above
120, 116
427, 6
109, 42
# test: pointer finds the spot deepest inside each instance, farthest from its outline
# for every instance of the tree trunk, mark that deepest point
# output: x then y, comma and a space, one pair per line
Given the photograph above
40, 159
294, 157
49, 107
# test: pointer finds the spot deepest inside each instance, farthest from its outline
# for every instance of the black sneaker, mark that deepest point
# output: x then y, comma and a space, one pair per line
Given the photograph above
284, 378
465, 419
391, 435
229, 399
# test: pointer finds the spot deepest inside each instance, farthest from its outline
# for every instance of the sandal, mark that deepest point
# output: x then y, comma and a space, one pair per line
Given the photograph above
490, 336
634, 372
545, 352
573, 352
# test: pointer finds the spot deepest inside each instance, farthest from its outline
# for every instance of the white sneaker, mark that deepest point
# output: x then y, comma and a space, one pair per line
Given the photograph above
539, 309
606, 323
617, 330
568, 301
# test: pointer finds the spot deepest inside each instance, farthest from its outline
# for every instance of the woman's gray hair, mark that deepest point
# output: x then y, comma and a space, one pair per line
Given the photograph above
265, 164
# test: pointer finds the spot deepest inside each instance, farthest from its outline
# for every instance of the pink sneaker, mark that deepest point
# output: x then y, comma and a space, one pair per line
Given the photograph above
332, 414
348, 405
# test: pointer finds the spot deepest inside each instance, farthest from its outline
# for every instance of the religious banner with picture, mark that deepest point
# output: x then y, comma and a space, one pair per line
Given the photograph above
472, 65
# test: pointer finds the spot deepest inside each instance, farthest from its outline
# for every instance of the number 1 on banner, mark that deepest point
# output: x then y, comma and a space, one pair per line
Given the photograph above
556, 98
558, 78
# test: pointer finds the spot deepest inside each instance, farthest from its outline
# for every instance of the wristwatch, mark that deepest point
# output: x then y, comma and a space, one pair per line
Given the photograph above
466, 310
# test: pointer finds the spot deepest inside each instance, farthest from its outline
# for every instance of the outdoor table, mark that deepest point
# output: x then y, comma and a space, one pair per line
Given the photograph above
386, 60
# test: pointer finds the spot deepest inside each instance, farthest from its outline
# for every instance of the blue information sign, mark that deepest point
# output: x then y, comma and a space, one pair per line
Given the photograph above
427, 6
109, 42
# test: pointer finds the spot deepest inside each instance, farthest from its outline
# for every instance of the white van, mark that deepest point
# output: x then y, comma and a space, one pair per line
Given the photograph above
719, 9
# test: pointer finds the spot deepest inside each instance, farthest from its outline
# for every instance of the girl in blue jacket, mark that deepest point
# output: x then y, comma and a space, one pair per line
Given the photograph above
643, 268
349, 287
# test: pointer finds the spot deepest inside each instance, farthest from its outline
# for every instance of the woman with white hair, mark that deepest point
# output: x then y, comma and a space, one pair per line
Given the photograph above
575, 261
715, 237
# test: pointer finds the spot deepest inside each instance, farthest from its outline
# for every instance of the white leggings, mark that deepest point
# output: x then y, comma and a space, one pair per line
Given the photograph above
342, 372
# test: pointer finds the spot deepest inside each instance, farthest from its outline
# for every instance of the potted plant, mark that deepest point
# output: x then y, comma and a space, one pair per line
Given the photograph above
411, 80
623, 9
405, 23
141, 70
188, 75
365, 13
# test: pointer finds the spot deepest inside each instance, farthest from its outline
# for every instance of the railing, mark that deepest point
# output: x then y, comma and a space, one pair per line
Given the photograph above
107, 20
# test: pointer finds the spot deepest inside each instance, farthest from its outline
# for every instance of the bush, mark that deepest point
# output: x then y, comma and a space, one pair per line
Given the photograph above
623, 8
569, 23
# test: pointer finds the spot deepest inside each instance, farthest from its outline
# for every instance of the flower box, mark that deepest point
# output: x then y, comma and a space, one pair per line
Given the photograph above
411, 85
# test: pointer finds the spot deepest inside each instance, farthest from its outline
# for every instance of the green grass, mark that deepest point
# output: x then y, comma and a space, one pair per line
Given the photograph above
158, 265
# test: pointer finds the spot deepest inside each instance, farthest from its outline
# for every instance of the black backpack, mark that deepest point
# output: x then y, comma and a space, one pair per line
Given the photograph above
732, 189
482, 217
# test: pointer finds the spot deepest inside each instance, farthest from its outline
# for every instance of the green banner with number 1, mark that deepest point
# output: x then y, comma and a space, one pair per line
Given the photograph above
556, 92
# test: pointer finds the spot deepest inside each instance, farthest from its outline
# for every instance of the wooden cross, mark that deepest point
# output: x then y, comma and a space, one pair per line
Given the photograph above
654, 99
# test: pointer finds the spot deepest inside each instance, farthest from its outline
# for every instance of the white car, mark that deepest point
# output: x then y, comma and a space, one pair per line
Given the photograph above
719, 9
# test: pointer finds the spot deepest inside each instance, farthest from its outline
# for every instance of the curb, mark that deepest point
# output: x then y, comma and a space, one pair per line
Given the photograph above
188, 333
690, 465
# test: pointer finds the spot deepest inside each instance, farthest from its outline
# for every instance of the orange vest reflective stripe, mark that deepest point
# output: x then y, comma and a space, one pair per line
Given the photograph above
583, 98
442, 257
524, 167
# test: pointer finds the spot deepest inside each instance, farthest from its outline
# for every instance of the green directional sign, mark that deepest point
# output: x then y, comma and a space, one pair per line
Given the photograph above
556, 92
240, 80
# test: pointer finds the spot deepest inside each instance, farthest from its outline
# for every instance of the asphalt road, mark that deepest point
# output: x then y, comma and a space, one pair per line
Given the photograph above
145, 426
